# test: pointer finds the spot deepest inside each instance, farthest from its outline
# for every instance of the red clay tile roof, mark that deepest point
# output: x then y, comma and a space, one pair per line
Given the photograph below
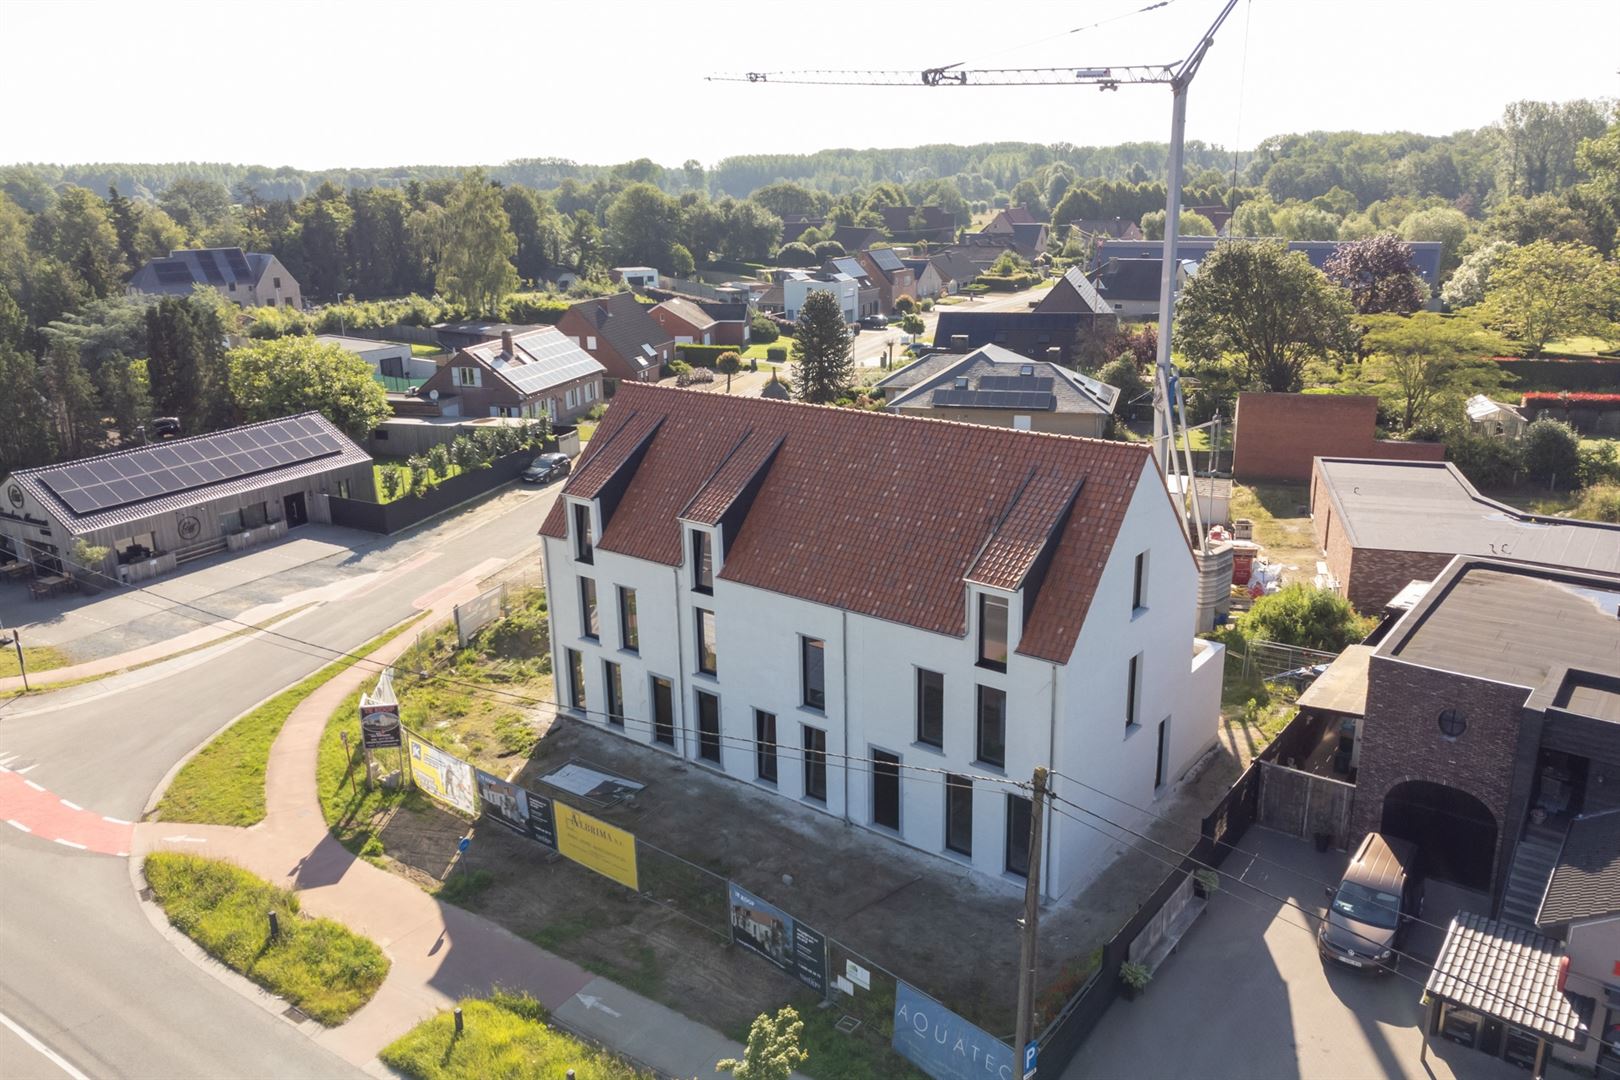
870, 512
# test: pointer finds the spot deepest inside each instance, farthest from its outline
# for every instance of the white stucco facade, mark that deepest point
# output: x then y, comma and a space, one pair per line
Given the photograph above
1069, 716
847, 290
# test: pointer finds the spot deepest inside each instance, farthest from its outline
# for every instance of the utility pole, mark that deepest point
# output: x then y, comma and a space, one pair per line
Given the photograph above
1027, 925
15, 638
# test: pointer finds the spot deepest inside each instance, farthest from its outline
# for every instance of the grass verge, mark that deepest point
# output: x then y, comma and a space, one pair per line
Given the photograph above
504, 1036
325, 969
37, 657
224, 783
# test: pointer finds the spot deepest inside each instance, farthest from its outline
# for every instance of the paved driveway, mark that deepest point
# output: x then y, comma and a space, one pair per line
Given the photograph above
1247, 997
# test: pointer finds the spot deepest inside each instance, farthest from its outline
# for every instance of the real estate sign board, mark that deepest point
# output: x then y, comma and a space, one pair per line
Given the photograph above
502, 802
944, 1045
379, 724
542, 822
593, 843
446, 778
477, 613
771, 932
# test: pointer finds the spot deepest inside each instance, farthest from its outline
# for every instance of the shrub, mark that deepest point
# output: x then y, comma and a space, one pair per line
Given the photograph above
703, 355
777, 354
678, 368
1124, 374
904, 304
1552, 453
761, 330
464, 452
392, 478
1006, 282
1601, 502
1308, 617
1135, 975
796, 254
977, 288
534, 307
829, 249
1487, 462
912, 324
1599, 464
439, 459
927, 305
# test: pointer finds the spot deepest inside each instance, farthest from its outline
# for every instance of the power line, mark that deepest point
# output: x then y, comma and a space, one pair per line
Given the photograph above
1421, 984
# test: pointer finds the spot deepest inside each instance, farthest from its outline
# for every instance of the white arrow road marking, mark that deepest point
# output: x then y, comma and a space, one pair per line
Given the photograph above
591, 1002
50, 1055
15, 824
185, 840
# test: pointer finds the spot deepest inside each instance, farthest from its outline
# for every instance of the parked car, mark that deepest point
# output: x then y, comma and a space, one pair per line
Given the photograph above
875, 322
165, 427
546, 468
1370, 910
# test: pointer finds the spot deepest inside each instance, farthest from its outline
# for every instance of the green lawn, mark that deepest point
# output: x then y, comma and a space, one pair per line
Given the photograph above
224, 783
1579, 346
325, 969
419, 349
505, 1037
407, 474
37, 657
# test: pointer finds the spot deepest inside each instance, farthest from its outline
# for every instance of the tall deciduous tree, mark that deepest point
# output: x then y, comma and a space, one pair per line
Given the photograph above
1267, 307
1467, 286
79, 232
821, 350
126, 394
25, 436
1546, 291
1192, 224
475, 261
1426, 365
1379, 274
642, 223
271, 379
74, 404
185, 351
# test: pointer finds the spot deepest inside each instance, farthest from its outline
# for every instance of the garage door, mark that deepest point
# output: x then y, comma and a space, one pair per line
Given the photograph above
1453, 830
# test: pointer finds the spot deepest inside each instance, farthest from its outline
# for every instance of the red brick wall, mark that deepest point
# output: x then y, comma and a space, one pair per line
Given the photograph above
1368, 577
1400, 740
1277, 435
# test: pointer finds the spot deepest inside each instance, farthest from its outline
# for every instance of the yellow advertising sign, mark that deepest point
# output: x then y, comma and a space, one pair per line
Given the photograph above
595, 844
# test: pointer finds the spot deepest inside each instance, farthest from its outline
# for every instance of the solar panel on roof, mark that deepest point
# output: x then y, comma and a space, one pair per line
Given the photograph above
238, 264
172, 272
1015, 382
210, 267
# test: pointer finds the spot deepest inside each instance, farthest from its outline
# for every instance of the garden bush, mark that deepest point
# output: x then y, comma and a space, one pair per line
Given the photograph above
1487, 462
703, 355
1601, 502
761, 330
1006, 282
1308, 617
904, 304
1551, 453
535, 307
777, 354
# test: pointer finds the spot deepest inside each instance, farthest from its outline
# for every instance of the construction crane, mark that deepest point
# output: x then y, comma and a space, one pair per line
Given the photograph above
1178, 75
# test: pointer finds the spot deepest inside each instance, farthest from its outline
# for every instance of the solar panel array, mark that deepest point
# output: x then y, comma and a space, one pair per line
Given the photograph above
887, 259
1016, 382
996, 399
120, 479
172, 271
210, 266
238, 264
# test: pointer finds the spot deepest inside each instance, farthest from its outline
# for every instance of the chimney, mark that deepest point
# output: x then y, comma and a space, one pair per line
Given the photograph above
959, 343
506, 344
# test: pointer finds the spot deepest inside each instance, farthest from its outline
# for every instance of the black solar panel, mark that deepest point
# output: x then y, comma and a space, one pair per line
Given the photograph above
172, 271
1016, 382
996, 399
101, 484
210, 267
238, 264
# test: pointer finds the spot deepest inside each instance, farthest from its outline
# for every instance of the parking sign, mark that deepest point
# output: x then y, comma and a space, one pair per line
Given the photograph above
1030, 1052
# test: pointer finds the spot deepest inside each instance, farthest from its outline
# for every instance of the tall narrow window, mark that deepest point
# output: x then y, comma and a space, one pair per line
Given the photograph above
1161, 760
629, 630
959, 814
705, 642
1139, 583
587, 608
815, 764
708, 712
885, 789
663, 710
613, 679
930, 708
813, 672
576, 679
1133, 680
584, 551
992, 741
702, 562
993, 632
765, 746
1018, 813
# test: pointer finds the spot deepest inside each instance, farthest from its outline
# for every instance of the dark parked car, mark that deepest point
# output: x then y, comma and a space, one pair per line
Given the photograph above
165, 427
875, 322
546, 468
1372, 907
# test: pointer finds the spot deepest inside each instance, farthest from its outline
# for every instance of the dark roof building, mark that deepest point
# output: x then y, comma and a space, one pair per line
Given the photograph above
459, 335
1038, 335
1074, 292
1109, 228
251, 279
996, 386
857, 237
621, 335
538, 372
1425, 253
958, 267
159, 505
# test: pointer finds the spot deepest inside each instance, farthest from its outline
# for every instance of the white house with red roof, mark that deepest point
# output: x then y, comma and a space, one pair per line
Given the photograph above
887, 619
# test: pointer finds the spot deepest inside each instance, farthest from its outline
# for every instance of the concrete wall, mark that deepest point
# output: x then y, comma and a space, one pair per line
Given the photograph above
1073, 711
1278, 435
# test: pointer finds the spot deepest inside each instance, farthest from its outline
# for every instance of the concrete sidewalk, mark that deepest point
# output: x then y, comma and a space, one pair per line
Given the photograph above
439, 952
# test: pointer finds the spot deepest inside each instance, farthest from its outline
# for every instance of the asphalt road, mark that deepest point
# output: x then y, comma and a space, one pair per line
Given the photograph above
81, 968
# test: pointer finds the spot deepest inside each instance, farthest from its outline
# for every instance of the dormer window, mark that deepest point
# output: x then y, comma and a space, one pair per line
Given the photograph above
584, 550
702, 562
993, 633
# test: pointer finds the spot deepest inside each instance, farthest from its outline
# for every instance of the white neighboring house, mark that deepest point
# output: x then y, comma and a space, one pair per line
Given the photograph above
246, 278
635, 277
729, 584
392, 359
846, 288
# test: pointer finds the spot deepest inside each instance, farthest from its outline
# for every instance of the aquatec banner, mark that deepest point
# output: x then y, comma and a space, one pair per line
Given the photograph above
944, 1045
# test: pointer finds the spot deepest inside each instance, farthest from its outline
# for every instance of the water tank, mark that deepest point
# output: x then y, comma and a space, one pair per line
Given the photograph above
1214, 585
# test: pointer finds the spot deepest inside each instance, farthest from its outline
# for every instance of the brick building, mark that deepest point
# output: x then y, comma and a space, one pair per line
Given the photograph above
1276, 436
1492, 724
1383, 524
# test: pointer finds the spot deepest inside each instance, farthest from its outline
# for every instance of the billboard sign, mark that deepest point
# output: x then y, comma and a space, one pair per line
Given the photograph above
446, 778
379, 725
766, 929
542, 823
593, 843
944, 1045
477, 613
502, 802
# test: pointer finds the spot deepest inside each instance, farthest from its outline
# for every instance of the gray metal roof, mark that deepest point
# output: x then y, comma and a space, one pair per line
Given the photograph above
1512, 623
1510, 974
1586, 882
988, 369
348, 455
1430, 506
541, 359
361, 345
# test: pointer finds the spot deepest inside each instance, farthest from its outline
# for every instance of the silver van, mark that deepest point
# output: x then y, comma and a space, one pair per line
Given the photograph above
1370, 910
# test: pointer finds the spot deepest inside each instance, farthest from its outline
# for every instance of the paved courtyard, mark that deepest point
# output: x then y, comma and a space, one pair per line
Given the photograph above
1247, 996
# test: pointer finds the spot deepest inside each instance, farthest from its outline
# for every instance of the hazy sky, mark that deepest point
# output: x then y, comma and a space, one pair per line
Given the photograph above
361, 83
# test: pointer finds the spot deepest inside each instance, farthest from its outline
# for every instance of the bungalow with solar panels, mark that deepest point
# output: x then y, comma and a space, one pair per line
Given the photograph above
251, 279
541, 372
158, 506
997, 386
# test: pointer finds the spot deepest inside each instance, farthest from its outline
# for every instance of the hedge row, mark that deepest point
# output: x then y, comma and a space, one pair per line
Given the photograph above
1007, 282
704, 355
1563, 374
